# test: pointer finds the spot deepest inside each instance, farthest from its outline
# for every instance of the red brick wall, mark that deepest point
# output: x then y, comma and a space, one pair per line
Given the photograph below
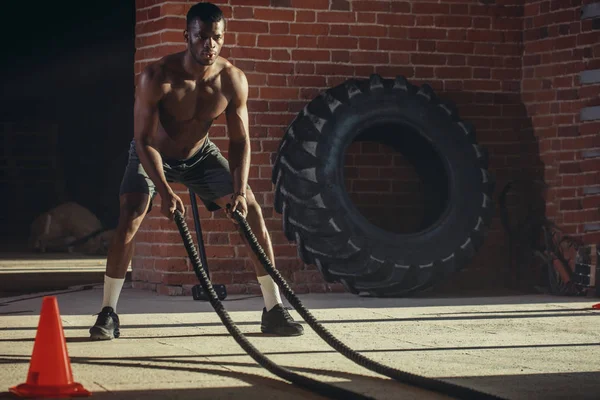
380, 179
469, 52
558, 45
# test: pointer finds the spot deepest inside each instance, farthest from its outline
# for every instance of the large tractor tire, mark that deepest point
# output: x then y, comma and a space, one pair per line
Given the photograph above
330, 232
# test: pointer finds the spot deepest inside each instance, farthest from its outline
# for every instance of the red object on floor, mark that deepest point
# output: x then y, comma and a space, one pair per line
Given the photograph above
596, 306
50, 372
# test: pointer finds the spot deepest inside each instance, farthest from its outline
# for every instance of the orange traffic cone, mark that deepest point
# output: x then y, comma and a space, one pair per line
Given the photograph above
50, 372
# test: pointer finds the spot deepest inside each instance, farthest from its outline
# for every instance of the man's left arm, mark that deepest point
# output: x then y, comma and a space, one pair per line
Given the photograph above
239, 138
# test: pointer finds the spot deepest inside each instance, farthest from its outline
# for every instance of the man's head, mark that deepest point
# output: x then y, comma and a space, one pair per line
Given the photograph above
205, 32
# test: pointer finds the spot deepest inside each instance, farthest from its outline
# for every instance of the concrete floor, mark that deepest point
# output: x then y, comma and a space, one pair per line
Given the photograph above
514, 347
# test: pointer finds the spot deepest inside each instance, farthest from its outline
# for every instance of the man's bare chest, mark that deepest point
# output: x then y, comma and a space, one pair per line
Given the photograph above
189, 101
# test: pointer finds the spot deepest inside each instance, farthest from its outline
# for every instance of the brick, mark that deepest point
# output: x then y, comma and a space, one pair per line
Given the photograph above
531, 9
278, 93
428, 59
336, 17
334, 69
591, 128
571, 204
453, 47
447, 21
309, 29
426, 46
178, 279
246, 39
281, 3
422, 33
276, 80
279, 28
311, 55
248, 26
340, 56
308, 277
580, 217
485, 36
368, 30
263, 3
482, 73
280, 55
276, 41
307, 42
507, 49
453, 72
273, 119
250, 53
274, 67
366, 18
311, 4
307, 80
269, 14
340, 5
587, 92
172, 265
368, 43
365, 57
304, 68
400, 7
305, 16
591, 202
370, 5
395, 19
243, 13
424, 20
430, 8
568, 131
591, 165
339, 30
330, 42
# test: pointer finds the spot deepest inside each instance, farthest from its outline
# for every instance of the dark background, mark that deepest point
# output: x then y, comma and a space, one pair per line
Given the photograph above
69, 64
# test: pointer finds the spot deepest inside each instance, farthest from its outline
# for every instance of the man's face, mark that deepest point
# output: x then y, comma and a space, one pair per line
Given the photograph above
205, 40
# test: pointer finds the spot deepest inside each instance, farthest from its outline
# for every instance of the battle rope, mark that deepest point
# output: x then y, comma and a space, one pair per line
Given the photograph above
331, 391
322, 388
415, 380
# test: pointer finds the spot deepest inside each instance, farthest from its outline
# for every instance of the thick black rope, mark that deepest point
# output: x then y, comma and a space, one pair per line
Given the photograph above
405, 377
322, 388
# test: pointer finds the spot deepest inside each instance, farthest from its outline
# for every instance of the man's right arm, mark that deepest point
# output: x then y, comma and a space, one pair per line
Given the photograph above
147, 96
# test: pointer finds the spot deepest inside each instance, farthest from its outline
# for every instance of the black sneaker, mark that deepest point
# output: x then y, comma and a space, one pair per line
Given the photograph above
278, 321
106, 326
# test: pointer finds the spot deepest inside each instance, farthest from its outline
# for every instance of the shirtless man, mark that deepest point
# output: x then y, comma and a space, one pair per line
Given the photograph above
177, 100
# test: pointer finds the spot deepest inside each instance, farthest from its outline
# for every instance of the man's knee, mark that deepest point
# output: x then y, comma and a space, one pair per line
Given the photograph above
133, 208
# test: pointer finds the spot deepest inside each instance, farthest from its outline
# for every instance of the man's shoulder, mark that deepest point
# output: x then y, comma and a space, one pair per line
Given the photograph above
232, 73
157, 71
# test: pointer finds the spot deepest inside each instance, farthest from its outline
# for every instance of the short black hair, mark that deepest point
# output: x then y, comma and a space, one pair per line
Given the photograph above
206, 12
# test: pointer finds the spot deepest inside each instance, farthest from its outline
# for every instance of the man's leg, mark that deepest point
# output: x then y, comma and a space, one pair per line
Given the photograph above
135, 195
210, 178
133, 207
257, 224
275, 317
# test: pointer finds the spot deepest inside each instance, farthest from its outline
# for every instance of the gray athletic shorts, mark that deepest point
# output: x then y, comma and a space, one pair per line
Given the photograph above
206, 173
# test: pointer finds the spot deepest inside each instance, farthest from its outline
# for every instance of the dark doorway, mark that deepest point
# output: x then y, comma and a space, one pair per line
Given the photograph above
67, 109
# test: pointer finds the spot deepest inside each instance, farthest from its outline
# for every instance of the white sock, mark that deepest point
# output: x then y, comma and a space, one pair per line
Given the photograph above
112, 290
270, 291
